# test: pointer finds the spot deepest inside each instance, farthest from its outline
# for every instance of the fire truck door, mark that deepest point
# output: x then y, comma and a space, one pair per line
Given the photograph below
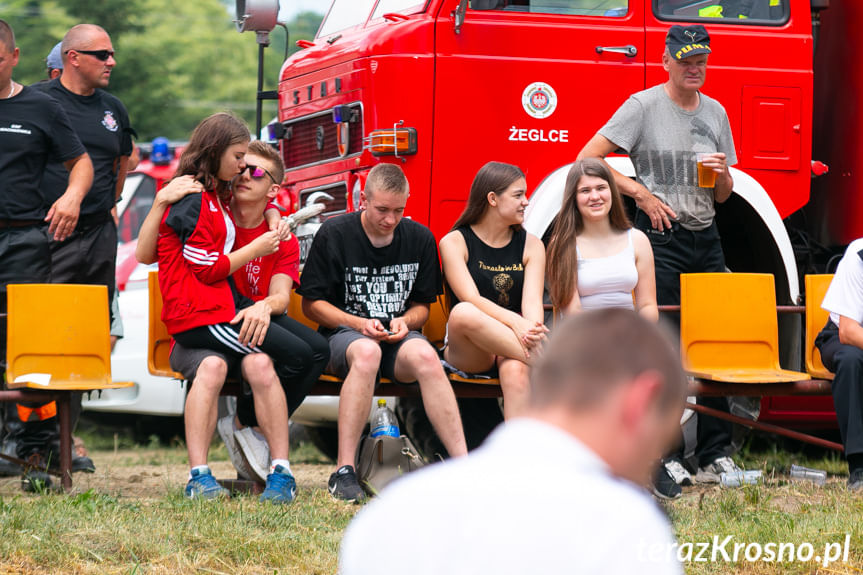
526, 82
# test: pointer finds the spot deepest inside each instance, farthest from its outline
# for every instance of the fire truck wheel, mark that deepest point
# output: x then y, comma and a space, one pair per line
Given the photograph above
479, 417
416, 425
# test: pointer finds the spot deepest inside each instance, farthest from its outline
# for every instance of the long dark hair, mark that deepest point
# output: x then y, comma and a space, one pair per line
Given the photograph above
493, 177
203, 156
562, 260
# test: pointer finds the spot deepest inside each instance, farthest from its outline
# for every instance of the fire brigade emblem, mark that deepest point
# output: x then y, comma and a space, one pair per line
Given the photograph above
539, 100
109, 122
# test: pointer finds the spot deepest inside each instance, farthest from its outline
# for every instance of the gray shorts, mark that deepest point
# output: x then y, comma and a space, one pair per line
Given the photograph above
342, 337
187, 361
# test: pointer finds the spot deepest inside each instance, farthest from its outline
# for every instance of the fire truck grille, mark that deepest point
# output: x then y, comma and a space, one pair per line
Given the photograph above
315, 139
338, 205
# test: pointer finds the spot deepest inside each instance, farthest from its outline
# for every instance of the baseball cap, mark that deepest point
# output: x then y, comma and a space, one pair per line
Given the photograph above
686, 41
54, 59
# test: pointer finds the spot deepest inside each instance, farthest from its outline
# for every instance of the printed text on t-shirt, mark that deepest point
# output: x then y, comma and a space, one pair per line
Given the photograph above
379, 292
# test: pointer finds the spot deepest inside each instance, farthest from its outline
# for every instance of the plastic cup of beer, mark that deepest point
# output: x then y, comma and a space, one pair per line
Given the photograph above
706, 176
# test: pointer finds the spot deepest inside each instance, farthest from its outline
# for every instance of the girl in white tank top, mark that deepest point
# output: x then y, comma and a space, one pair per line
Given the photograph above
596, 259
608, 281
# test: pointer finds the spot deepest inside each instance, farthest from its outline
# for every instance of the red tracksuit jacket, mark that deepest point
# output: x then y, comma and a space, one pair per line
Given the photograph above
193, 267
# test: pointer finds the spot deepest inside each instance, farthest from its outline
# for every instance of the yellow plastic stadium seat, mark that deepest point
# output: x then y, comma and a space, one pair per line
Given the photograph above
728, 328
435, 326
58, 338
816, 318
159, 340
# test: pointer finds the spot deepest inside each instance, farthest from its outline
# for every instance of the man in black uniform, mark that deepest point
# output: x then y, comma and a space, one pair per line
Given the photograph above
89, 254
33, 130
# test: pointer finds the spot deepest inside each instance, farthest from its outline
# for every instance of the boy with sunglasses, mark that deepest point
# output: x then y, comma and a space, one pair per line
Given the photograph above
263, 288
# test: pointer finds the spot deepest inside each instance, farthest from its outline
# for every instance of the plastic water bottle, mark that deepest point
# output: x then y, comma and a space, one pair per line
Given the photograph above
816, 476
738, 478
384, 421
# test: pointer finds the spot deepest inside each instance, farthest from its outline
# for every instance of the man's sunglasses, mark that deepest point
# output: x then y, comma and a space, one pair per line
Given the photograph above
102, 55
257, 172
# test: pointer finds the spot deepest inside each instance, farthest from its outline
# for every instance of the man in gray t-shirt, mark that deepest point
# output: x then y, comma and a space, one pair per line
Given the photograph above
663, 128
663, 139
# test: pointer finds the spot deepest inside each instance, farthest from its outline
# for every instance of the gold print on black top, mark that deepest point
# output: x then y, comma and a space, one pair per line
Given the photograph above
502, 283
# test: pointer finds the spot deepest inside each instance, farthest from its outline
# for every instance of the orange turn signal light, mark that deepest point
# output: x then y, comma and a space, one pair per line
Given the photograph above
392, 142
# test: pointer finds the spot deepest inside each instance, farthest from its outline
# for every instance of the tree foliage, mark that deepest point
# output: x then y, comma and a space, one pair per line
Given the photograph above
177, 62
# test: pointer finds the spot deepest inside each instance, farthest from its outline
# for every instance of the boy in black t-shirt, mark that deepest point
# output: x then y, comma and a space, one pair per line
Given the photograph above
368, 281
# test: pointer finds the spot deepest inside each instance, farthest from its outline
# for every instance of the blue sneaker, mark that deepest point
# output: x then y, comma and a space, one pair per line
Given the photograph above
281, 487
204, 486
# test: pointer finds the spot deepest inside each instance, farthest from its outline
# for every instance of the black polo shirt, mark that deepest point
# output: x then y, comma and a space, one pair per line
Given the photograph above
102, 124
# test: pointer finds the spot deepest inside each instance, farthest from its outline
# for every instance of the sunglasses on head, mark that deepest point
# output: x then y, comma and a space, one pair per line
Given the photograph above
102, 55
257, 172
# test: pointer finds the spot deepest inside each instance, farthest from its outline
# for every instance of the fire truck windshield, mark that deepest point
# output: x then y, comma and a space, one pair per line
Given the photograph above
345, 14
403, 6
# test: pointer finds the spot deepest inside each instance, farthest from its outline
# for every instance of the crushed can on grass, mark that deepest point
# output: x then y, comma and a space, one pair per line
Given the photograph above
738, 478
816, 476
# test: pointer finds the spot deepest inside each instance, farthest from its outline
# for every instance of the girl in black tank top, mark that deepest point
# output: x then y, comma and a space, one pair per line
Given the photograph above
498, 273
494, 272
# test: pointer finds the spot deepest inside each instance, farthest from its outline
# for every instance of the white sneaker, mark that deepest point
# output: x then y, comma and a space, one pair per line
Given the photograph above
225, 427
256, 451
677, 472
710, 473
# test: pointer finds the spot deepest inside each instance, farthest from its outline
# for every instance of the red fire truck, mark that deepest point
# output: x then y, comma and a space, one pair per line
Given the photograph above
443, 86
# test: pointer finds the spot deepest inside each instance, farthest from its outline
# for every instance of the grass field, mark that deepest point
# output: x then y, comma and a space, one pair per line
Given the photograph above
131, 517
776, 511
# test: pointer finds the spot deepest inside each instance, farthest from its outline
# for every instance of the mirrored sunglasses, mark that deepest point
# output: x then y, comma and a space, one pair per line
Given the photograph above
257, 172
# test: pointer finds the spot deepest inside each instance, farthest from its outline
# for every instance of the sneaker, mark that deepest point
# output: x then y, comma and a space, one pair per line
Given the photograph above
256, 451
36, 479
710, 473
204, 486
664, 486
281, 487
80, 458
225, 426
343, 485
677, 472
855, 480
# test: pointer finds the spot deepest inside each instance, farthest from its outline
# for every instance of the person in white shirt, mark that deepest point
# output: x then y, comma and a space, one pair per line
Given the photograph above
558, 490
841, 347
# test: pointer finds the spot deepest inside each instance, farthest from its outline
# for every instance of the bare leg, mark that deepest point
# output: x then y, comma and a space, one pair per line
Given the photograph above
474, 338
515, 385
270, 405
202, 408
417, 360
355, 399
